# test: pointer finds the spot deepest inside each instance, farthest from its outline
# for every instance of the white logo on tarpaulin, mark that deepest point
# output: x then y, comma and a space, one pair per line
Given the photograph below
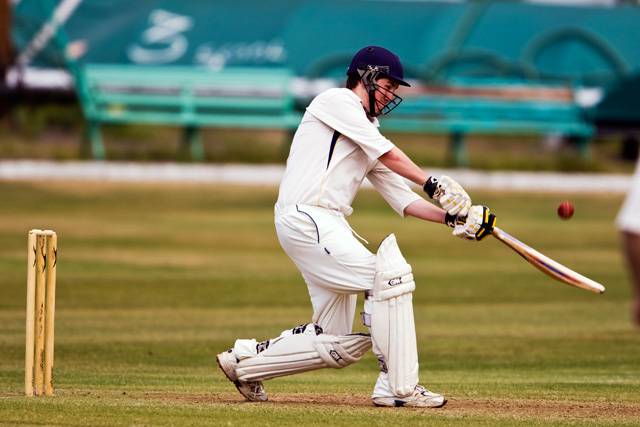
163, 42
240, 53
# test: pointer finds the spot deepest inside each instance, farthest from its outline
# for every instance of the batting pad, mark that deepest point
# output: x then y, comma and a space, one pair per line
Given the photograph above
392, 326
292, 354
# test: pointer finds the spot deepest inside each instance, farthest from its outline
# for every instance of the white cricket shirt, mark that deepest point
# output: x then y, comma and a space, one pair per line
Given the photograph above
318, 175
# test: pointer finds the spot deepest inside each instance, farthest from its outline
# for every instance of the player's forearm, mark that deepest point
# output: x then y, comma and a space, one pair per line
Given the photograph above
425, 210
401, 164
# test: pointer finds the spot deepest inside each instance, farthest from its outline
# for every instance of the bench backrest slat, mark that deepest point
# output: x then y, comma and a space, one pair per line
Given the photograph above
496, 106
183, 94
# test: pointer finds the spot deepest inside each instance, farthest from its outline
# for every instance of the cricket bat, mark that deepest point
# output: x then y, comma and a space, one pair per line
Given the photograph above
546, 264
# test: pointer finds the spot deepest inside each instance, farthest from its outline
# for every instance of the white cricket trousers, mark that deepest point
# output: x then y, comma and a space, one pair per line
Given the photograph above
629, 215
333, 263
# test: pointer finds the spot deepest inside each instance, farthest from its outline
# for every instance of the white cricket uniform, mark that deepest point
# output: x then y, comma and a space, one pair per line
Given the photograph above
334, 149
629, 216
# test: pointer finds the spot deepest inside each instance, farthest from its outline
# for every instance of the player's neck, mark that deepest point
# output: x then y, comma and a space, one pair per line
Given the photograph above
362, 93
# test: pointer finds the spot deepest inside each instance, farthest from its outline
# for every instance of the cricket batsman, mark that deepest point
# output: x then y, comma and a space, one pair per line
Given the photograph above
336, 146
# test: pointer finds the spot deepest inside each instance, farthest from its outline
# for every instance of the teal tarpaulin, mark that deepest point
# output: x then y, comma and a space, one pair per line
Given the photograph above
591, 45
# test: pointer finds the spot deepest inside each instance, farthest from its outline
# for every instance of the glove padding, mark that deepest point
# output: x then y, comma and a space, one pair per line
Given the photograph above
476, 226
449, 194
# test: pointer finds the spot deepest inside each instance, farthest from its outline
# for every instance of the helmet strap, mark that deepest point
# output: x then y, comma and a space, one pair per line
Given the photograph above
368, 77
372, 102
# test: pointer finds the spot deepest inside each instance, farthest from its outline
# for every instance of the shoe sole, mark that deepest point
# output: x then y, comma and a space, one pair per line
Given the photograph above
401, 404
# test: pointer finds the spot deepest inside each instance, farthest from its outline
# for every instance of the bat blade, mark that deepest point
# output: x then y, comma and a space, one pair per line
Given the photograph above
546, 264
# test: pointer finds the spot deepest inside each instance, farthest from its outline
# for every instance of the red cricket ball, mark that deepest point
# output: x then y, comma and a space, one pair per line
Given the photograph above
565, 210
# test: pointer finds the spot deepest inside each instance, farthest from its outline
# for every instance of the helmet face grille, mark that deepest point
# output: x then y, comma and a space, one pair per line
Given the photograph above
390, 100
393, 101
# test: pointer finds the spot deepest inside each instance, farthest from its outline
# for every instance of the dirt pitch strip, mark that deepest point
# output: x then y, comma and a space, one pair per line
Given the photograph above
459, 407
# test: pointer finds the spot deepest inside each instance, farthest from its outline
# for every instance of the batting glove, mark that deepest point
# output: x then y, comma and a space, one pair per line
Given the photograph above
476, 226
449, 194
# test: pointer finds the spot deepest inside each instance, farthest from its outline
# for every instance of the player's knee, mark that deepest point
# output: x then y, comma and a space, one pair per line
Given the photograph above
393, 273
342, 350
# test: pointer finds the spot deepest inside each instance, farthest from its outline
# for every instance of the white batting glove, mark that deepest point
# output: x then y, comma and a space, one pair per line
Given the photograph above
449, 194
477, 225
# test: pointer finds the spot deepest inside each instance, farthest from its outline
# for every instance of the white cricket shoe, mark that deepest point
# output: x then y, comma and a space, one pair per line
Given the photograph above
420, 398
253, 391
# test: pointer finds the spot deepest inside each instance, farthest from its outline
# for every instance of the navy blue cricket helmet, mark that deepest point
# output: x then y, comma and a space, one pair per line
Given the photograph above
386, 61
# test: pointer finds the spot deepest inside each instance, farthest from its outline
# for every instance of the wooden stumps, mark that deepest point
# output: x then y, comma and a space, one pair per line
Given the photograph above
40, 314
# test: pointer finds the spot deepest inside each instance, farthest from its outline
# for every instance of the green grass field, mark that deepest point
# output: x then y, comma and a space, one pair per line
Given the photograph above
154, 280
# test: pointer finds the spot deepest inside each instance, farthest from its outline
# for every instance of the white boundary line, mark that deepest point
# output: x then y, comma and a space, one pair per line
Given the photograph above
270, 175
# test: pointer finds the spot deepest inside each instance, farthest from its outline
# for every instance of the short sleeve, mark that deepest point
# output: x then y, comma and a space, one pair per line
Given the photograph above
341, 110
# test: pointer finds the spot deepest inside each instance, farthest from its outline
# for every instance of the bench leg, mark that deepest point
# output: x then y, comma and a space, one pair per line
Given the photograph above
584, 147
193, 139
95, 140
458, 150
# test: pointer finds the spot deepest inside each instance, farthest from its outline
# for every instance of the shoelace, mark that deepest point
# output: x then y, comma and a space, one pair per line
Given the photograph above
256, 387
423, 391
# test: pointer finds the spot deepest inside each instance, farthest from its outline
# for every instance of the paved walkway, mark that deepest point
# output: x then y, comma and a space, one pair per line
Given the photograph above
270, 175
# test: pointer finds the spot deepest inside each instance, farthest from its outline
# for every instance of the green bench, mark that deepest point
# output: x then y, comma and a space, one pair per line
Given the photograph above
490, 108
188, 97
